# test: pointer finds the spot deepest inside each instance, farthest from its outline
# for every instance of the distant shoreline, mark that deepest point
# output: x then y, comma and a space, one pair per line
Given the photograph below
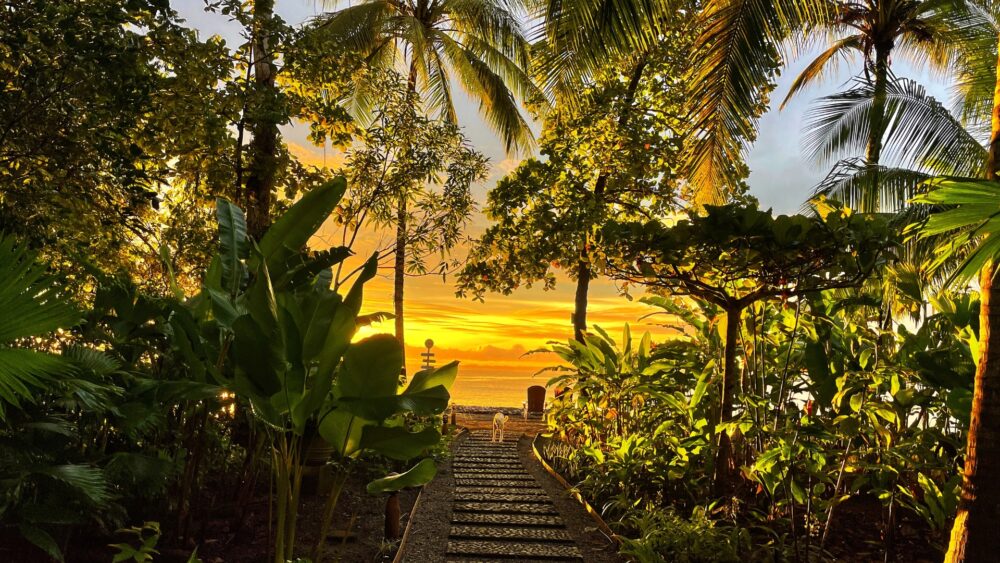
474, 409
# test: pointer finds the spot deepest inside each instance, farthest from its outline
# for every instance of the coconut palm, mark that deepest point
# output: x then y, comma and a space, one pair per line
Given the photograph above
967, 225
921, 138
876, 29
478, 43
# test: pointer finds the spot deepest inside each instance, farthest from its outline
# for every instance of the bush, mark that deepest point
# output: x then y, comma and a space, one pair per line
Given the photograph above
663, 535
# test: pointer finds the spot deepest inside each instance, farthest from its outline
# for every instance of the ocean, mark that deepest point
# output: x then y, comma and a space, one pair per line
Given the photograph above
493, 390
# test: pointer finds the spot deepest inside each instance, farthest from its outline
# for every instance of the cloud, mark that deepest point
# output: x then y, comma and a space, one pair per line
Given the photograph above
311, 155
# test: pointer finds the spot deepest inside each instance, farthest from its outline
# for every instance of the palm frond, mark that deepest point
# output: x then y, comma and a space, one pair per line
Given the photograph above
85, 480
853, 182
974, 26
357, 29
736, 60
29, 298
814, 71
23, 373
496, 101
920, 132
582, 35
95, 361
971, 220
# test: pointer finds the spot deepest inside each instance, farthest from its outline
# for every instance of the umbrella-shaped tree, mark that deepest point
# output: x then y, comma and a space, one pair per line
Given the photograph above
736, 255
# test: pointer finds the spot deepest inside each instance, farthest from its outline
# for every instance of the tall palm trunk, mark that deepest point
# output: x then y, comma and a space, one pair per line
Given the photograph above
974, 535
583, 270
399, 270
876, 126
263, 158
399, 263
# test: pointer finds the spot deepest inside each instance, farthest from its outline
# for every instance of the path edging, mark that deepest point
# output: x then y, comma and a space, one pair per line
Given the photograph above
401, 550
601, 524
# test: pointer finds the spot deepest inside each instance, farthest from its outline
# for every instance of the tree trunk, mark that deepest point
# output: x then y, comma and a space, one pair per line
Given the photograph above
580, 302
263, 159
584, 273
974, 535
724, 455
399, 263
876, 128
399, 270
392, 515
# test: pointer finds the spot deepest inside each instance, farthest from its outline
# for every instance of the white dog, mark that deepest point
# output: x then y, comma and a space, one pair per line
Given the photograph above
499, 419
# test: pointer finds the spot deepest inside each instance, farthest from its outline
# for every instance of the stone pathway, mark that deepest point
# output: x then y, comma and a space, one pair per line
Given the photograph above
499, 511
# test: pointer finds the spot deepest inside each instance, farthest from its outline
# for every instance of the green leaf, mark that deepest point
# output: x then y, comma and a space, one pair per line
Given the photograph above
24, 372
371, 368
42, 540
702, 385
426, 379
856, 400
420, 474
343, 431
427, 402
798, 493
30, 299
398, 443
292, 231
88, 481
233, 245
256, 359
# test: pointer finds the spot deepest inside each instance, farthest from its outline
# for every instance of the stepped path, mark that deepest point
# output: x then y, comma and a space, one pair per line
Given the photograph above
499, 510
488, 506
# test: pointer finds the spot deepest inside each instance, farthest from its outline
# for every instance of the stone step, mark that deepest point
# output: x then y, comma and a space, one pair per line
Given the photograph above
476, 460
499, 483
514, 550
498, 468
506, 475
493, 560
530, 489
490, 476
509, 533
501, 497
493, 473
461, 492
505, 507
500, 519
507, 443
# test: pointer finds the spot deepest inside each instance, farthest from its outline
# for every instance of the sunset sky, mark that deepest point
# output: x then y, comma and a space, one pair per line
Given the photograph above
490, 338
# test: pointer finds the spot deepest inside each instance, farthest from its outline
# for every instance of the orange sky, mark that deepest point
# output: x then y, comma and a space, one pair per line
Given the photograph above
489, 339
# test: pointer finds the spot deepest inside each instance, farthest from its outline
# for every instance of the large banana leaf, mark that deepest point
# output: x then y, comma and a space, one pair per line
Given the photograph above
419, 474
234, 247
292, 231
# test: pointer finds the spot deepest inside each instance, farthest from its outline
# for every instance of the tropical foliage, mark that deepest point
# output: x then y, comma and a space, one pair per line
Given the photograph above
185, 355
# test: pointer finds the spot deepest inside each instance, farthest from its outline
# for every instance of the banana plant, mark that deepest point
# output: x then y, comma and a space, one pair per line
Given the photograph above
271, 330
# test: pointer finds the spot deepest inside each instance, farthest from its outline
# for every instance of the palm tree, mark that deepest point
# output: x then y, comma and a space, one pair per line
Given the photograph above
480, 43
876, 28
741, 36
33, 305
969, 227
922, 139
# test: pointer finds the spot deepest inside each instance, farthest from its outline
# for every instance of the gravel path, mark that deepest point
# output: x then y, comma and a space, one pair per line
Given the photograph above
493, 501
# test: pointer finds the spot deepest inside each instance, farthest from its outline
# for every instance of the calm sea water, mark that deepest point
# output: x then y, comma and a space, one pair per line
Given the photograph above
493, 390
